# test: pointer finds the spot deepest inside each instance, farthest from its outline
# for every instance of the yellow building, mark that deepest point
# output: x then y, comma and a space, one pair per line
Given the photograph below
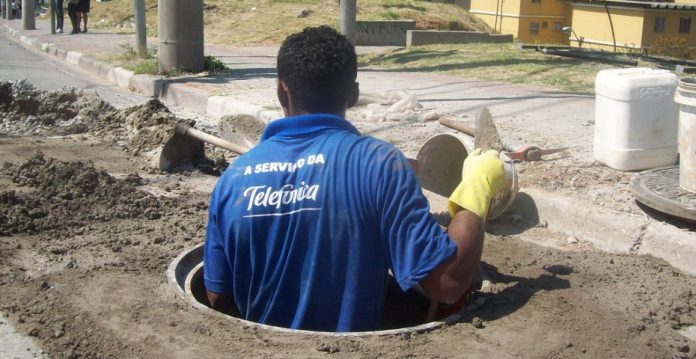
530, 21
631, 24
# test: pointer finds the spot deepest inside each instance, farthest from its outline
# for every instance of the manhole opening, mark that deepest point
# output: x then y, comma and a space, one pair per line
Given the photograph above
403, 311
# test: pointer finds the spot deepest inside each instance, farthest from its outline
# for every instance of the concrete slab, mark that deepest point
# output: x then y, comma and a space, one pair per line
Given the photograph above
73, 57
185, 95
144, 84
675, 245
120, 76
219, 106
87, 63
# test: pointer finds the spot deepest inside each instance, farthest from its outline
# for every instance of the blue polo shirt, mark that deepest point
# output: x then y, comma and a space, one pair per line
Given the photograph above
304, 227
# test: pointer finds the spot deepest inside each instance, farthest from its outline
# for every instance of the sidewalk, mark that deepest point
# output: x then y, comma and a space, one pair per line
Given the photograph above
602, 212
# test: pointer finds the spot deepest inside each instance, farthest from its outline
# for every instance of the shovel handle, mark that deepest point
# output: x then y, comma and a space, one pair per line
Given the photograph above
210, 139
456, 125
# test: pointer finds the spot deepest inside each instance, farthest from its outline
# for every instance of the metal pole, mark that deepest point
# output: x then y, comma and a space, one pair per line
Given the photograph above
2, 6
140, 34
348, 14
8, 11
180, 35
28, 15
52, 11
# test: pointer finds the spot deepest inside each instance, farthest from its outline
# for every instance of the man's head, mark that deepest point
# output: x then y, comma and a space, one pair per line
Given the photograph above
317, 69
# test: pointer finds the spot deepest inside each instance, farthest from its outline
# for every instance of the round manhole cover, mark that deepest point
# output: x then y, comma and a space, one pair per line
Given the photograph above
659, 189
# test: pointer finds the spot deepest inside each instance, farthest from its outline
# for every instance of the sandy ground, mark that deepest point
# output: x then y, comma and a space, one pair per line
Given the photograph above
88, 227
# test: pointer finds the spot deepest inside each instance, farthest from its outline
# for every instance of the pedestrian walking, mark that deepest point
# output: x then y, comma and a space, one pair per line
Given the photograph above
83, 11
74, 15
58, 6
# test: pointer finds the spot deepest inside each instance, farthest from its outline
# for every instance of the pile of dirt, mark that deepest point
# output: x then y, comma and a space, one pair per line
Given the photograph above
26, 110
145, 126
63, 195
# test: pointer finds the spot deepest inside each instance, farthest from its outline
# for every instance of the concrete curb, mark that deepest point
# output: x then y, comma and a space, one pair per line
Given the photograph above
606, 229
219, 106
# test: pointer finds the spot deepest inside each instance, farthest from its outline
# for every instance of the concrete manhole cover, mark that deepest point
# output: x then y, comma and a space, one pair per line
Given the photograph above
659, 189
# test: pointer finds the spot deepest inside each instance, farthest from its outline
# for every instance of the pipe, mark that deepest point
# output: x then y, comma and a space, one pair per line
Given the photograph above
611, 24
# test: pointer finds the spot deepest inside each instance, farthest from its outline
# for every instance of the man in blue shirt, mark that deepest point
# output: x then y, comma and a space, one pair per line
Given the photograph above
304, 228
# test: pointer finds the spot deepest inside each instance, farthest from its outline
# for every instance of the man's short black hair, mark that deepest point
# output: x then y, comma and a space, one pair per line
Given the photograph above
319, 67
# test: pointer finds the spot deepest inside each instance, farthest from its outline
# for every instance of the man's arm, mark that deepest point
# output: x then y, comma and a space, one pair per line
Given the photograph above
448, 281
483, 176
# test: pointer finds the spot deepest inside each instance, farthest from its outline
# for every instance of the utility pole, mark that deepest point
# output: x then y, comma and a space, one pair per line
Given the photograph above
140, 33
28, 15
8, 9
52, 11
348, 14
180, 35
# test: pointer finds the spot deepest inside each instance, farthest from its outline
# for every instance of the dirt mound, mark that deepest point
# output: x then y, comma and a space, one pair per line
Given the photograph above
64, 195
26, 110
149, 125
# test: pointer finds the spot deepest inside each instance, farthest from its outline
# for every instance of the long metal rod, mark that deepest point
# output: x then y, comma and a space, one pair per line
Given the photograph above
208, 138
348, 16
52, 11
140, 29
611, 24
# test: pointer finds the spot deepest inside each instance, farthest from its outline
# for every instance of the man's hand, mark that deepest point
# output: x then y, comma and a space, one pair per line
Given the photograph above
222, 302
483, 176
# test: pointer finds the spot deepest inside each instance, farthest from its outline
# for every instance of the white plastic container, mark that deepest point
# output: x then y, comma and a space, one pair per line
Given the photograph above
636, 118
686, 98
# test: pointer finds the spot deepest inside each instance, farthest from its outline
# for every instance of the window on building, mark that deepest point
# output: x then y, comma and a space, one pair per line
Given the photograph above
557, 26
659, 24
534, 28
536, 1
685, 25
544, 24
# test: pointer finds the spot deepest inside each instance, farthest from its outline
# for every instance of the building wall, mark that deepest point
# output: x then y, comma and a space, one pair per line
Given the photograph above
591, 22
671, 25
516, 17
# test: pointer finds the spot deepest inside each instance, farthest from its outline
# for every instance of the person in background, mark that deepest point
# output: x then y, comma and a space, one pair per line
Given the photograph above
58, 5
82, 12
74, 16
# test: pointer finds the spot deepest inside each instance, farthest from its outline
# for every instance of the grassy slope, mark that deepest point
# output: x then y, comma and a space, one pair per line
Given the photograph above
267, 22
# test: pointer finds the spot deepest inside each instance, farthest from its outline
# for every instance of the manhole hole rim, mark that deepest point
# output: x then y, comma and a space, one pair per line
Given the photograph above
189, 298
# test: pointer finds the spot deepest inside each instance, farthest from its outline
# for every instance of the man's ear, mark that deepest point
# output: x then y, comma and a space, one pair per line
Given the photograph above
283, 95
354, 95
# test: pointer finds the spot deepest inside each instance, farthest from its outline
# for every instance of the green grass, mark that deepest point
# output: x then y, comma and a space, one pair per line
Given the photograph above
143, 66
498, 62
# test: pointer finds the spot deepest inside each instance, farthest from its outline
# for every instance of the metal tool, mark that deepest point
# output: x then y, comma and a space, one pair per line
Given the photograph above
186, 145
485, 133
532, 153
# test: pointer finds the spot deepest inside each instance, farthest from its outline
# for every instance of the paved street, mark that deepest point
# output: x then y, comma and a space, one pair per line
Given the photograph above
20, 63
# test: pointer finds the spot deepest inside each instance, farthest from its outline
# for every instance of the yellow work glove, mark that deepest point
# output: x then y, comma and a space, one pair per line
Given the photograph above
483, 176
